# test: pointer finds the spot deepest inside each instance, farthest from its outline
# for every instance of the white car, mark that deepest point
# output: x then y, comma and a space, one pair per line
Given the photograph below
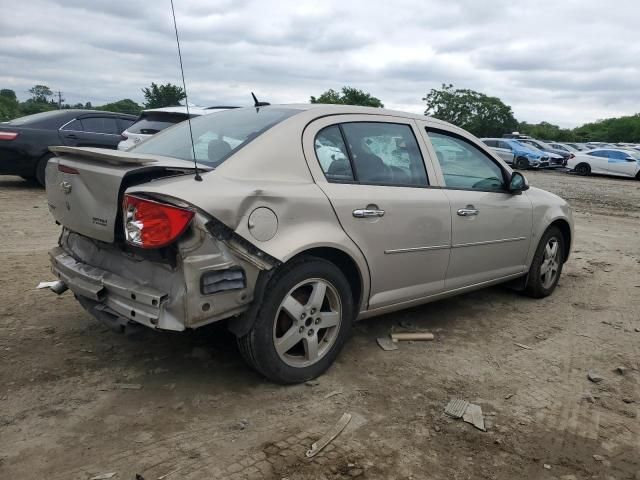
607, 161
154, 120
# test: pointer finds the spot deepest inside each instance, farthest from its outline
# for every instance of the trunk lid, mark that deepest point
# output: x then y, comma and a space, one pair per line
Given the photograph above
85, 185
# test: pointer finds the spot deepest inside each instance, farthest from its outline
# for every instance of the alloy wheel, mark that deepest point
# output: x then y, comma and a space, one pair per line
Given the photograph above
307, 322
550, 263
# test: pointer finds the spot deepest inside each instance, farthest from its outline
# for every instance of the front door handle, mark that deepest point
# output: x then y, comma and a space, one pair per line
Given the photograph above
72, 136
468, 211
367, 213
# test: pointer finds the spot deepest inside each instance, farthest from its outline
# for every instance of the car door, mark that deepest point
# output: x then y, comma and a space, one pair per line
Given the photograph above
491, 228
505, 151
599, 161
98, 131
373, 172
621, 163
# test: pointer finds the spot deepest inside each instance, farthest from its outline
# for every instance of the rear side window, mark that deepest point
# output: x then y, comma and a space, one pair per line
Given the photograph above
505, 145
373, 153
490, 143
106, 125
153, 122
599, 153
464, 165
125, 123
333, 155
75, 126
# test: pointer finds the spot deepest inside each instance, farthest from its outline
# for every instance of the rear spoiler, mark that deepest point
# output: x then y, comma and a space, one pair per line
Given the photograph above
116, 157
120, 157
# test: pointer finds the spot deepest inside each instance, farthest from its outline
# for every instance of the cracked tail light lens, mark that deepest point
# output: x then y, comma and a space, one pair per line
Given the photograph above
151, 224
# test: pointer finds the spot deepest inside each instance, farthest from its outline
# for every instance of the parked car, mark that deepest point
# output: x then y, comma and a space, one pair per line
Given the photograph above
25, 141
518, 154
286, 247
545, 147
607, 161
566, 147
155, 120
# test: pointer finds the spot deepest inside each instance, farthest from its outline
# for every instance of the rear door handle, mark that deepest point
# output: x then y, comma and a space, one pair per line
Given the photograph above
367, 213
468, 211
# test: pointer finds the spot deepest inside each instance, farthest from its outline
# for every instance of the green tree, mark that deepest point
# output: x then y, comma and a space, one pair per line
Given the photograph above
158, 96
546, 131
349, 96
9, 106
476, 112
40, 93
125, 105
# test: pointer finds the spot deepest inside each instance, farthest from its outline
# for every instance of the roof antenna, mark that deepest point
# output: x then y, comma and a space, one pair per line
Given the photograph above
256, 103
197, 177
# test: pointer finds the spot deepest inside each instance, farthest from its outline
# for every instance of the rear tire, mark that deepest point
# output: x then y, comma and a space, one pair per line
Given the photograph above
583, 169
288, 342
521, 163
41, 167
547, 263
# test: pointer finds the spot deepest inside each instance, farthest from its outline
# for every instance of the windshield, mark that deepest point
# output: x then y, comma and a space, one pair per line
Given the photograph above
215, 137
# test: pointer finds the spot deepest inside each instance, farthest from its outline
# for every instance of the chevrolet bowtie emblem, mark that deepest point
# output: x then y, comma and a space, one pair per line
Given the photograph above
65, 187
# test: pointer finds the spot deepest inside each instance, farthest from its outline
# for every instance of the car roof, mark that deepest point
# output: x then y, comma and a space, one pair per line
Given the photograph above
193, 110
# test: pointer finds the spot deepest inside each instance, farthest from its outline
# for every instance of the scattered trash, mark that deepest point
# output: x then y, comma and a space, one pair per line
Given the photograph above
407, 325
387, 344
312, 383
594, 377
328, 437
46, 284
128, 386
410, 336
621, 370
637, 329
456, 408
522, 345
628, 400
598, 458
333, 394
547, 466
469, 412
104, 476
473, 415
508, 396
139, 477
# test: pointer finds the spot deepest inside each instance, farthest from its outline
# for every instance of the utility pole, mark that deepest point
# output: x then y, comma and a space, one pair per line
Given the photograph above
59, 100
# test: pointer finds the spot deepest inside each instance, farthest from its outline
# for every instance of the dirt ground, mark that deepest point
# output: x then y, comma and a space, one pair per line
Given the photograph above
77, 399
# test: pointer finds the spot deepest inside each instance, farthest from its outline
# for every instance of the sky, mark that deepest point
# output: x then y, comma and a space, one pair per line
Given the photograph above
563, 61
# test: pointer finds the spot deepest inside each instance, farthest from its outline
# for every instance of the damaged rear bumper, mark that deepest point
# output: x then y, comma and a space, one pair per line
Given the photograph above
115, 294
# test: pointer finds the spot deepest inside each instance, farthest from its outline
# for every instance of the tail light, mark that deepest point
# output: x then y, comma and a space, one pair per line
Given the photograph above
151, 224
124, 136
8, 135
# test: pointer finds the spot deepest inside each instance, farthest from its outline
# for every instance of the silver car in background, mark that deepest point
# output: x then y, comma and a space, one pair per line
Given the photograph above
300, 220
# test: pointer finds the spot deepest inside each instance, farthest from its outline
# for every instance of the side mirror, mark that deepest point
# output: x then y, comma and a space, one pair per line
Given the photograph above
518, 183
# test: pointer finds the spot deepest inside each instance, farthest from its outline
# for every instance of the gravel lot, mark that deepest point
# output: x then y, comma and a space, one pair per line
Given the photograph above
77, 399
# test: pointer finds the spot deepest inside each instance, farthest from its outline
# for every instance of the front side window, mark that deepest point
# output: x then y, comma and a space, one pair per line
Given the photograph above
216, 137
464, 165
385, 154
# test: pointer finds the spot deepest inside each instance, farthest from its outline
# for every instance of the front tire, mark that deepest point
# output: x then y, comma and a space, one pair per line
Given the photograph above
547, 263
521, 163
303, 323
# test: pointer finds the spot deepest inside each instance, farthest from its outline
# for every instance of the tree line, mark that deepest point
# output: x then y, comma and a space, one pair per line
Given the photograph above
43, 99
480, 114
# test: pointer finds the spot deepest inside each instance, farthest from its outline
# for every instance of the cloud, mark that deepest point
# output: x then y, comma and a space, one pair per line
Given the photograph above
566, 62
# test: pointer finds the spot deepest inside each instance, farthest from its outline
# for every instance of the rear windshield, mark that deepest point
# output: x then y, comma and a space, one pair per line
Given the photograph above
216, 137
152, 122
36, 118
